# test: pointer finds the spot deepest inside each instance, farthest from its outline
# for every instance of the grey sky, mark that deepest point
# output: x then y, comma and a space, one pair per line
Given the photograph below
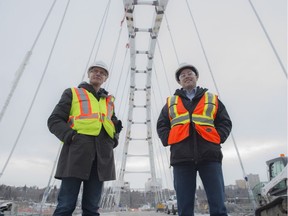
249, 78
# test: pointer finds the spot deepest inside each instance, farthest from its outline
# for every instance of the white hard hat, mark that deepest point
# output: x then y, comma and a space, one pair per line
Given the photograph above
182, 66
99, 64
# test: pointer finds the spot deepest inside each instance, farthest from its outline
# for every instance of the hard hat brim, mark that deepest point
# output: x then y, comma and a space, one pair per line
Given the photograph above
90, 68
180, 69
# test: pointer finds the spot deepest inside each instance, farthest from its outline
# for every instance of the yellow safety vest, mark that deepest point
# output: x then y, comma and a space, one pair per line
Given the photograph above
87, 114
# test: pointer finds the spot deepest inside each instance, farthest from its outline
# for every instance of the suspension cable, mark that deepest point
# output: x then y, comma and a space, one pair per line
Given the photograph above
118, 83
121, 102
175, 51
104, 24
158, 84
49, 186
154, 114
165, 71
114, 54
36, 92
94, 44
22, 66
269, 39
214, 81
127, 76
203, 49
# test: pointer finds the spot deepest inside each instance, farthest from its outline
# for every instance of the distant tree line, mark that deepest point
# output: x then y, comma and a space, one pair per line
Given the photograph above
31, 194
129, 198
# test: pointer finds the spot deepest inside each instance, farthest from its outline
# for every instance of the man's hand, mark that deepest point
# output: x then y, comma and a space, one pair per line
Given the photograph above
118, 126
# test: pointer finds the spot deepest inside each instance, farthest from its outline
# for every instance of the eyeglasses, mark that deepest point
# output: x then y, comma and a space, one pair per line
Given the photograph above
96, 70
188, 74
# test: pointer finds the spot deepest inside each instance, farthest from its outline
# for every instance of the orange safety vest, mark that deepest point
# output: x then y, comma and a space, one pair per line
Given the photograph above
88, 115
203, 117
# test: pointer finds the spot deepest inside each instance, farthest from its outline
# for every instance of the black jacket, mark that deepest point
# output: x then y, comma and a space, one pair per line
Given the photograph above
77, 155
194, 149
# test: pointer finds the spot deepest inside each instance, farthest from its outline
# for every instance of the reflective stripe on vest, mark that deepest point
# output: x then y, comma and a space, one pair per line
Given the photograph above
176, 118
87, 114
203, 117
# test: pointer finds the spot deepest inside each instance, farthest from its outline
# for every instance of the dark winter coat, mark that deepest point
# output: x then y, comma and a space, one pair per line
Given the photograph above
77, 155
194, 149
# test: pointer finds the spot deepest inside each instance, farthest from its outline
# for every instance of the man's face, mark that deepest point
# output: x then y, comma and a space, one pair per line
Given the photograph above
97, 76
188, 79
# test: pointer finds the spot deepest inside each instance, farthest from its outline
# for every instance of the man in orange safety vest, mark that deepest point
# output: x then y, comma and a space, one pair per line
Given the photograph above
194, 123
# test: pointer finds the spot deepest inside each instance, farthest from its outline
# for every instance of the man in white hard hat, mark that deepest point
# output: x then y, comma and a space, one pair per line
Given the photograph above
84, 120
194, 123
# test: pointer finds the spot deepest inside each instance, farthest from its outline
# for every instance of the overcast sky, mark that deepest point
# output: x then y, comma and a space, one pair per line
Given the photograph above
251, 83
